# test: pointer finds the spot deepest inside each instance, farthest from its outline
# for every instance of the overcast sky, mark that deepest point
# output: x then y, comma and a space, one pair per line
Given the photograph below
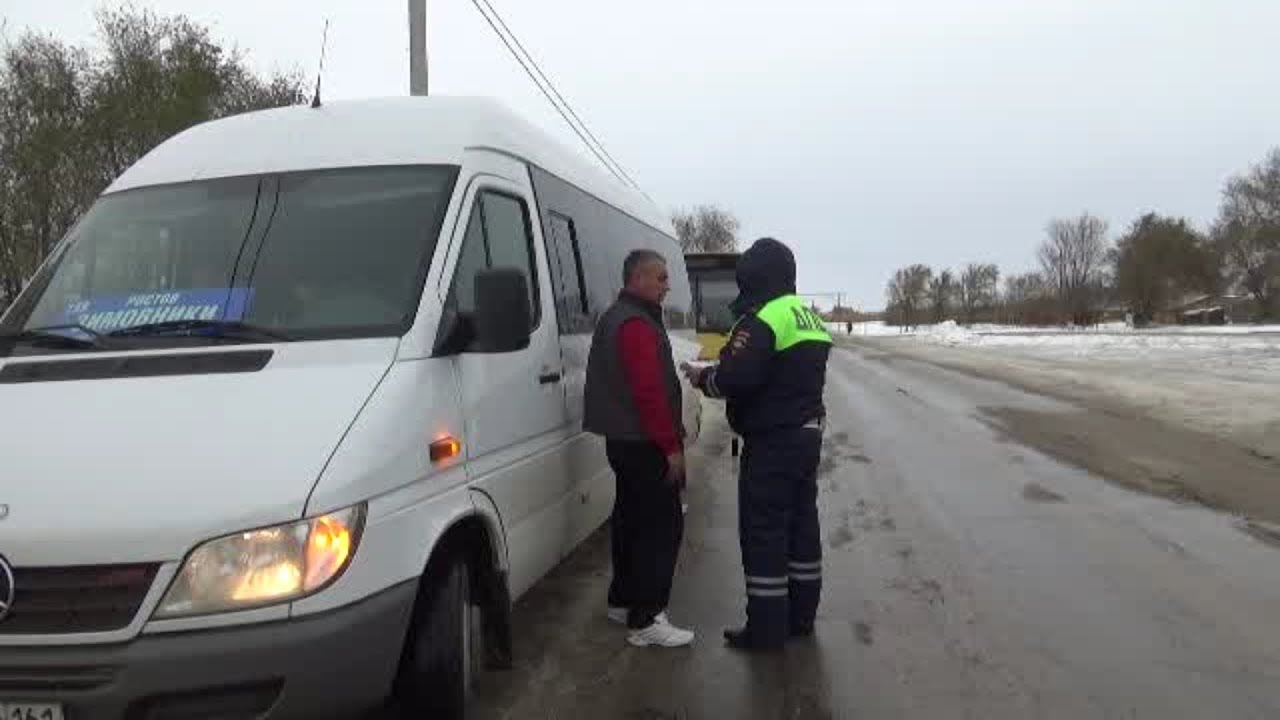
867, 135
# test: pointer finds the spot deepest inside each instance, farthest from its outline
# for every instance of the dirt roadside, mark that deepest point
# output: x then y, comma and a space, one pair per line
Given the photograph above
1122, 443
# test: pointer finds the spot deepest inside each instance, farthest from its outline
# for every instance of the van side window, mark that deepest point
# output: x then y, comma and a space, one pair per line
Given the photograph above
498, 236
571, 293
602, 235
474, 258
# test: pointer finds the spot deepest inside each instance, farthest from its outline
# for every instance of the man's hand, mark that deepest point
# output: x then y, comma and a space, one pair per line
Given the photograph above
676, 469
692, 374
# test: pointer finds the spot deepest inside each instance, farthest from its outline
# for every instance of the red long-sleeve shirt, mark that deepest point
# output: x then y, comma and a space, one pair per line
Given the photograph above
639, 346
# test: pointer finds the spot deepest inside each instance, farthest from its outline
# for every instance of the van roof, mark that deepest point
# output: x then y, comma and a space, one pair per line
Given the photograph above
382, 131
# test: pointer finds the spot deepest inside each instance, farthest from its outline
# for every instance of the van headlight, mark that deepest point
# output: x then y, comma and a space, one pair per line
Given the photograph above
265, 566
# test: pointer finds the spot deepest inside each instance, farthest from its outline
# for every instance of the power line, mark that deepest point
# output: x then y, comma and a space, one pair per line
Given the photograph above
611, 166
618, 172
551, 85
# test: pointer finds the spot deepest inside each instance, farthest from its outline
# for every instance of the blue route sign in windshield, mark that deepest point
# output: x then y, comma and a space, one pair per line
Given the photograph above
105, 313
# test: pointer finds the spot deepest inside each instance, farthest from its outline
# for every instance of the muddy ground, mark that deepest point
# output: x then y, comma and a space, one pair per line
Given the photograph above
1115, 439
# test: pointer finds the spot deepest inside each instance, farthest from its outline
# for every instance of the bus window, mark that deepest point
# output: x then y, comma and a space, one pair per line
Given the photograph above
713, 280
713, 295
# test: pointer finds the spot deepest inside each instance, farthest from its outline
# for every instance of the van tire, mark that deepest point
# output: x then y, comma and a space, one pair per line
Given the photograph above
444, 646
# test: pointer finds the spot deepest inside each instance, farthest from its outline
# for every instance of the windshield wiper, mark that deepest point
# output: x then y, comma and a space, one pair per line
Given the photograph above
53, 335
228, 329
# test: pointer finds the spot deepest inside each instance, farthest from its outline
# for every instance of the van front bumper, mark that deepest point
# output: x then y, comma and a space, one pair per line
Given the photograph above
321, 666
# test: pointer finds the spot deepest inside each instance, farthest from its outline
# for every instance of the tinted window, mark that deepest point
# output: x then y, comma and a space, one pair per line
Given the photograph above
498, 236
510, 241
714, 292
571, 298
605, 236
347, 249
159, 240
474, 258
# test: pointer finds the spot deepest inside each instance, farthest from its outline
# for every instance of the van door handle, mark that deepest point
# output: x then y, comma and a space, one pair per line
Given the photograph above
549, 378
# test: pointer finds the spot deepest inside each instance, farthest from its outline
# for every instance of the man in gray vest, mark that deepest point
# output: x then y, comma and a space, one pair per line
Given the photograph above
633, 399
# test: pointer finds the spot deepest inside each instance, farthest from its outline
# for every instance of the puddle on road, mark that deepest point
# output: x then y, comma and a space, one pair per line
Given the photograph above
864, 634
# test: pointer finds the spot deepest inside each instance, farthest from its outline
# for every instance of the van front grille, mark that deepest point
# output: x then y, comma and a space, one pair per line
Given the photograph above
63, 600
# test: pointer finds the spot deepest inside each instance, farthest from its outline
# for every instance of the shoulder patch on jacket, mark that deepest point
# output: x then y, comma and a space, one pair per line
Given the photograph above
739, 340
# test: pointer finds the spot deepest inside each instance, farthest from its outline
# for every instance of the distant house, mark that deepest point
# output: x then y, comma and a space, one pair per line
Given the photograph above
1215, 309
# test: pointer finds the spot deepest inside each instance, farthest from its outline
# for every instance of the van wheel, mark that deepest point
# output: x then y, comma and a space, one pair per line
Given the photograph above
445, 647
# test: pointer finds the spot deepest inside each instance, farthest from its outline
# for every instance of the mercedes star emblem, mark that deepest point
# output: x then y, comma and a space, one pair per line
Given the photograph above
7, 590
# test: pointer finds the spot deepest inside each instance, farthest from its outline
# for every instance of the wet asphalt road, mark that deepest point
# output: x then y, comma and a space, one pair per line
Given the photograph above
966, 577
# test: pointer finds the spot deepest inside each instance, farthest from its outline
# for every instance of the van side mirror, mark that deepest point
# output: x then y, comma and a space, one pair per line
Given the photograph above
503, 316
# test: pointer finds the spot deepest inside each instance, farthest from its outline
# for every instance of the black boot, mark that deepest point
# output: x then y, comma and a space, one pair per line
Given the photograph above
743, 639
799, 630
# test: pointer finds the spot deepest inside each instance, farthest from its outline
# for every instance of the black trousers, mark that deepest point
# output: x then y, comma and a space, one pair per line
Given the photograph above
779, 531
647, 527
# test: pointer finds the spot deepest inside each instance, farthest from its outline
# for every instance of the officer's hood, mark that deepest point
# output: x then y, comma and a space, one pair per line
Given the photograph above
767, 270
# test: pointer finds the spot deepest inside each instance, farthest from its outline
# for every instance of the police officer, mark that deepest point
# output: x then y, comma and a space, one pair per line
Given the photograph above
772, 373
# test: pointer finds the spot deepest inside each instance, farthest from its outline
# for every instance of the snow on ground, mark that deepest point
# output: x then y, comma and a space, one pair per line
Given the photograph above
950, 329
1243, 353
1224, 380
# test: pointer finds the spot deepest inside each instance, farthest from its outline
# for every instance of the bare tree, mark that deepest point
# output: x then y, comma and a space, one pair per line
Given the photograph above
978, 290
1248, 231
1026, 299
1073, 258
706, 228
942, 289
908, 292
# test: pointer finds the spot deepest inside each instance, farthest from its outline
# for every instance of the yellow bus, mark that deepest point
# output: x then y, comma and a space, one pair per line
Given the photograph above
714, 283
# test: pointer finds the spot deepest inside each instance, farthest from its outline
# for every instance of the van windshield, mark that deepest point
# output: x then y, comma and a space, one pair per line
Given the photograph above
310, 255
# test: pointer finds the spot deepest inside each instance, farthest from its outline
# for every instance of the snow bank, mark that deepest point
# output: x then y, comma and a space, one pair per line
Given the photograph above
1232, 349
1238, 351
1222, 380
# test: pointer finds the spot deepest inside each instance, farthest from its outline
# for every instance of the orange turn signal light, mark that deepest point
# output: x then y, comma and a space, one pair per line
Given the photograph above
446, 448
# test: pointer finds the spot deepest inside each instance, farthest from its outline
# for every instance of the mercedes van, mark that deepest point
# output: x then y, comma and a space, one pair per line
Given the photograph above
292, 415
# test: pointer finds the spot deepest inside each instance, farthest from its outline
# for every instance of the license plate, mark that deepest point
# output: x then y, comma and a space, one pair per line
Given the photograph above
30, 711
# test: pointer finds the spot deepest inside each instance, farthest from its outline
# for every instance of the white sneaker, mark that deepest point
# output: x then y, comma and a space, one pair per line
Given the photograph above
661, 633
619, 615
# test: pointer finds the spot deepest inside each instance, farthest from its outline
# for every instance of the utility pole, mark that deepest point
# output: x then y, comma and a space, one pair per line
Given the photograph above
418, 47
